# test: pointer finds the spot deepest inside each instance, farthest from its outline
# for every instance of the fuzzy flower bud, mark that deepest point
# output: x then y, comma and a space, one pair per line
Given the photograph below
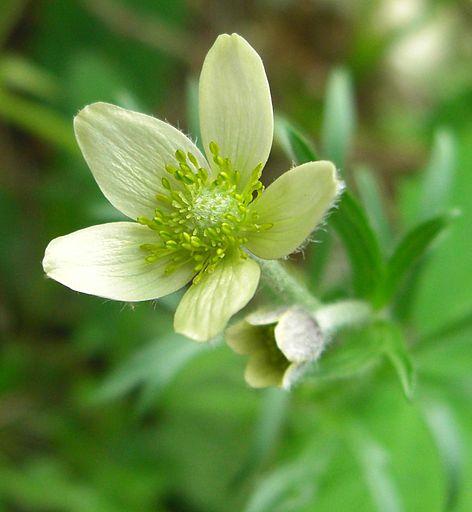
281, 344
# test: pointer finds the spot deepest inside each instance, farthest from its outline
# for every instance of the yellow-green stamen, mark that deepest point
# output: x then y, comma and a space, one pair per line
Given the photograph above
202, 220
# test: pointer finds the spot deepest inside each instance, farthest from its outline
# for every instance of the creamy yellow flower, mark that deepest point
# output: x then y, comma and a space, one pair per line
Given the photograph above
193, 217
280, 343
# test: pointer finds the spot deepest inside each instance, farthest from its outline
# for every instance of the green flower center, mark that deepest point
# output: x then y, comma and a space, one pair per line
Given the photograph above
201, 220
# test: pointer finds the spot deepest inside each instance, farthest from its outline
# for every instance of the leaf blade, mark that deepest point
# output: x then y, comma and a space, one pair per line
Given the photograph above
361, 244
339, 117
293, 142
438, 176
153, 366
408, 253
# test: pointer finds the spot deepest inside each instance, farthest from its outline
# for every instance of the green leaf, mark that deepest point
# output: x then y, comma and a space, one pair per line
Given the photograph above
439, 175
409, 251
355, 352
371, 196
272, 415
295, 145
361, 244
154, 366
291, 486
92, 77
376, 470
359, 351
393, 342
318, 257
338, 117
18, 73
349, 220
443, 426
47, 484
460, 324
38, 120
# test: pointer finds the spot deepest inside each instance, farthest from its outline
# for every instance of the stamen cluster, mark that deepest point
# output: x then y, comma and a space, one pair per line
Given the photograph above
201, 220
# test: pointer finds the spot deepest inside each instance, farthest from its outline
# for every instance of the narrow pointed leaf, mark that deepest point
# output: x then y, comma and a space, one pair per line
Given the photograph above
360, 243
338, 118
439, 175
272, 415
408, 253
355, 353
376, 470
23, 75
402, 363
291, 486
452, 328
353, 227
444, 428
371, 196
38, 120
393, 343
154, 366
295, 145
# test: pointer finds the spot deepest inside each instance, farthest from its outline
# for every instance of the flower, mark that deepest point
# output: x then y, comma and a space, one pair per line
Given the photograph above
280, 344
195, 219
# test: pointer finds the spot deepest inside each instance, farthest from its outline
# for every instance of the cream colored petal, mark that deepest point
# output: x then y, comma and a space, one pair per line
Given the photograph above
235, 104
107, 261
298, 336
293, 374
127, 153
242, 337
207, 306
263, 370
265, 316
295, 203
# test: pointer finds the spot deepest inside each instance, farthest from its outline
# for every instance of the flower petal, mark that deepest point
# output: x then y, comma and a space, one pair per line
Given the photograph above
298, 336
107, 261
262, 370
293, 374
235, 104
127, 153
207, 306
295, 203
266, 315
243, 338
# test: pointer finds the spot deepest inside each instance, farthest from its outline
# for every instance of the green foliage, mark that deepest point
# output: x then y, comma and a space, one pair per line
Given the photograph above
438, 175
373, 201
361, 244
350, 222
393, 343
153, 367
296, 146
338, 118
406, 255
37, 120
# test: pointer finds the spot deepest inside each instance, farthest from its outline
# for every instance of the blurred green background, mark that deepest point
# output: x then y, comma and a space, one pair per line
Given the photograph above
102, 407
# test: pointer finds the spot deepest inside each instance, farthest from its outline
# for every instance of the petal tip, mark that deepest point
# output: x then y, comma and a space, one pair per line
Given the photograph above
92, 109
48, 258
192, 334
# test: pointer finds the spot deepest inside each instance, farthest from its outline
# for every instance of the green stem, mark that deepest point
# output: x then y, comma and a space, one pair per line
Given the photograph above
339, 315
331, 317
282, 282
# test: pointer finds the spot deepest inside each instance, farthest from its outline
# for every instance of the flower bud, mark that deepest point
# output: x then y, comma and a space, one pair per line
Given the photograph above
281, 344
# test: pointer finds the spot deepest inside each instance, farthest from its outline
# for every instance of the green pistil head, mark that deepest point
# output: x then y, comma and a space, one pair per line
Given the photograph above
199, 220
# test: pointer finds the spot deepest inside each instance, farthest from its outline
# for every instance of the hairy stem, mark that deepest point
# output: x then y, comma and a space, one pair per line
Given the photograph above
339, 315
282, 282
330, 317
